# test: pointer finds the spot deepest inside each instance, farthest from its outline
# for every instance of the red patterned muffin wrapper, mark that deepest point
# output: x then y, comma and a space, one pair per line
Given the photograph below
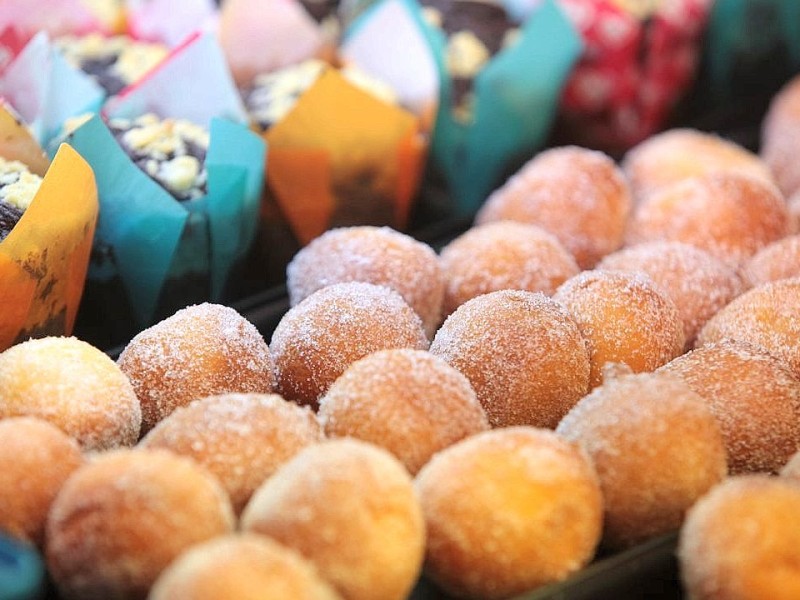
632, 71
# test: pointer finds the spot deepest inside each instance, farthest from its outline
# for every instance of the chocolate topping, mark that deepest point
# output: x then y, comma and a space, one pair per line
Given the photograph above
476, 30
9, 216
170, 151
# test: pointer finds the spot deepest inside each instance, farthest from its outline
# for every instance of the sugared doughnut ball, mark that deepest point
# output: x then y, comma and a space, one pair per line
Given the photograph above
409, 402
678, 154
504, 255
578, 195
240, 438
73, 385
779, 260
780, 132
508, 511
241, 567
740, 541
35, 459
199, 351
657, 448
754, 397
122, 518
698, 283
523, 354
319, 338
624, 318
729, 215
350, 508
766, 317
376, 255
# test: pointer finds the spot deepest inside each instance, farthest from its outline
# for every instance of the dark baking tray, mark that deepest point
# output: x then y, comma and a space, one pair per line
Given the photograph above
649, 570
645, 572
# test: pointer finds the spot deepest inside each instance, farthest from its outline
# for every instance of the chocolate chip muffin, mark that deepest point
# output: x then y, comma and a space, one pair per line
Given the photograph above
476, 30
113, 62
18, 186
171, 151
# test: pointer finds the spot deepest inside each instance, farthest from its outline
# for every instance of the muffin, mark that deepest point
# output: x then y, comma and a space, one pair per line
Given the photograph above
171, 151
18, 186
476, 30
113, 62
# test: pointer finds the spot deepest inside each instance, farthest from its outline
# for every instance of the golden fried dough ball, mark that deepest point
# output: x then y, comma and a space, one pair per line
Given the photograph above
578, 195
657, 448
73, 385
199, 351
523, 354
507, 511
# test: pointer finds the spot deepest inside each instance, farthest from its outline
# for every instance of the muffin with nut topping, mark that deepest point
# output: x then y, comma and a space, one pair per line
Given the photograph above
273, 95
171, 151
113, 62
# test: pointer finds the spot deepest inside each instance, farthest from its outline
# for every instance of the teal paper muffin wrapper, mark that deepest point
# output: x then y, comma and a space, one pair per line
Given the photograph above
146, 238
46, 91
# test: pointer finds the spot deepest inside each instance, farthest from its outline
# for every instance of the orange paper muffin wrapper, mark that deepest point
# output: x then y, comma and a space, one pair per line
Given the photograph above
343, 157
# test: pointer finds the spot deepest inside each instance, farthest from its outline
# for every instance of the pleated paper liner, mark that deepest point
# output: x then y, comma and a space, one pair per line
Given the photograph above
43, 260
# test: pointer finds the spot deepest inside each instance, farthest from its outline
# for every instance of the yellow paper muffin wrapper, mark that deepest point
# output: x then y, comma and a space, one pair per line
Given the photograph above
43, 260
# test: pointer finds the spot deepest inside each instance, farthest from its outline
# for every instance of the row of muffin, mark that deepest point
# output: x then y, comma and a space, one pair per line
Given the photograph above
147, 266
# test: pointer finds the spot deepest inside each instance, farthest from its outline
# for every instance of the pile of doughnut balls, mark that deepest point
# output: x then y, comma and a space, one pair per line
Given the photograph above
610, 354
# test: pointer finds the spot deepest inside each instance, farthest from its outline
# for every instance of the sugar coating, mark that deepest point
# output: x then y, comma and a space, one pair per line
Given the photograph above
578, 195
729, 215
697, 282
739, 541
35, 459
378, 255
625, 318
242, 439
73, 385
779, 260
241, 566
324, 334
199, 351
409, 402
779, 133
754, 397
677, 154
350, 508
523, 354
657, 448
508, 511
503, 255
18, 185
122, 518
765, 317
